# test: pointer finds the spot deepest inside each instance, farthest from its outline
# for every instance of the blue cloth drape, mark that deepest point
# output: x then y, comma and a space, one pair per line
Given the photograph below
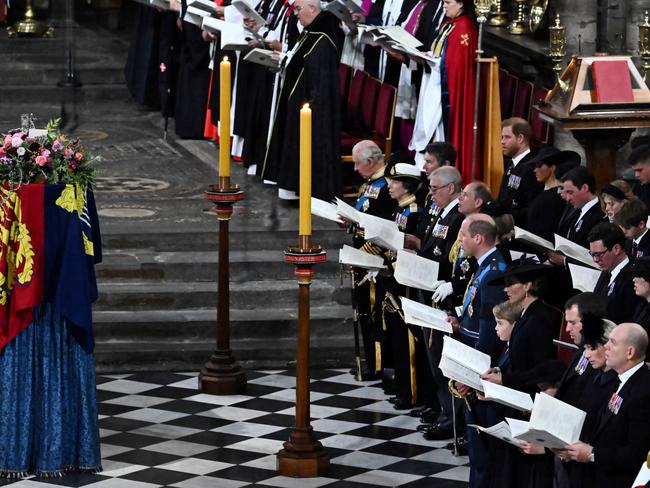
48, 405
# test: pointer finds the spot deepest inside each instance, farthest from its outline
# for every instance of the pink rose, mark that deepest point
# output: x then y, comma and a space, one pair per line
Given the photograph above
78, 156
7, 142
45, 153
16, 141
68, 153
57, 146
41, 160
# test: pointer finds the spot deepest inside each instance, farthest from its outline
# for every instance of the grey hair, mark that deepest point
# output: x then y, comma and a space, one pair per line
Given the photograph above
448, 175
368, 151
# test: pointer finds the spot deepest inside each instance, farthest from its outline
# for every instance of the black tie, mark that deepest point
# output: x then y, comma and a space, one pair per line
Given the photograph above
634, 246
602, 287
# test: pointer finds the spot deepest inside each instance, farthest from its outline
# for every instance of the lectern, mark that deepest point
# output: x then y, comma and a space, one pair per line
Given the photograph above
601, 127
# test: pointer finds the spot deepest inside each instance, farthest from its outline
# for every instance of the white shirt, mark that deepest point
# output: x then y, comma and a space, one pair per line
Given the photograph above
623, 377
614, 273
637, 241
585, 208
484, 256
518, 158
448, 208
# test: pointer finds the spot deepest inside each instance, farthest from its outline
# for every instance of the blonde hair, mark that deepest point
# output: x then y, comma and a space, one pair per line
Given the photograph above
510, 312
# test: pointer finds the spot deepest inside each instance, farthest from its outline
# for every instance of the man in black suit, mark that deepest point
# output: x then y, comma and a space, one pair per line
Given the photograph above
436, 244
632, 218
620, 442
607, 247
579, 188
640, 162
519, 186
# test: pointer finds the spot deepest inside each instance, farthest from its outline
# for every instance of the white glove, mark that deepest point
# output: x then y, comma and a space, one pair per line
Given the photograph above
436, 284
442, 292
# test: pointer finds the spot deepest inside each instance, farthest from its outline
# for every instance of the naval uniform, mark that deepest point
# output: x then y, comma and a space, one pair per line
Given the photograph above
375, 200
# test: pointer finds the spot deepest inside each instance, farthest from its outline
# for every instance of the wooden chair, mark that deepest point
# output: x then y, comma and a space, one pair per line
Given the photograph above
541, 129
523, 99
507, 89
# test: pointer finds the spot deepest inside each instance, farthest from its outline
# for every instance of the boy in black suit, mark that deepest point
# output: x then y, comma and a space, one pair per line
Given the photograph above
632, 218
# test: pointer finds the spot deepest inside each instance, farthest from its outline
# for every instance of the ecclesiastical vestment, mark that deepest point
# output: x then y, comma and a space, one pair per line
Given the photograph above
310, 76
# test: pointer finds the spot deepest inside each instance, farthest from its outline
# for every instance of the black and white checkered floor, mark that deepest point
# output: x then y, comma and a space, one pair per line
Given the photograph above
157, 430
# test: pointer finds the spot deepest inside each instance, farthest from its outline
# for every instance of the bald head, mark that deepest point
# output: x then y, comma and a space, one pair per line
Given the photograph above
306, 11
626, 347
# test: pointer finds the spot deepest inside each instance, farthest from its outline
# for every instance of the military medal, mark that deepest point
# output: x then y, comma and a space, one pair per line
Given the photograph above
615, 403
437, 251
464, 265
366, 205
470, 310
582, 364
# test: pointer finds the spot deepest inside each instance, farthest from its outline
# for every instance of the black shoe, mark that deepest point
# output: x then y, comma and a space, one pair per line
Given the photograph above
401, 405
417, 412
423, 427
438, 433
369, 376
394, 400
430, 416
353, 371
461, 446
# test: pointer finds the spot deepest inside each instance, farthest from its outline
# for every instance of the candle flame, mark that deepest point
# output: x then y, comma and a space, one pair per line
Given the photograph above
306, 105
225, 58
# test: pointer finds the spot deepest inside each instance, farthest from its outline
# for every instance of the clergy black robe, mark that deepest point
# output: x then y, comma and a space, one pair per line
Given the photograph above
142, 66
311, 75
193, 83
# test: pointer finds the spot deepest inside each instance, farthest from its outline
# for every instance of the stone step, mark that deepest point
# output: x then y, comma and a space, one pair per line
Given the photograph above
116, 236
176, 339
202, 266
117, 357
249, 295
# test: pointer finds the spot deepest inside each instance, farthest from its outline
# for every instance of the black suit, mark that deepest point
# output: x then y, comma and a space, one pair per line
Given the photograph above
621, 299
639, 250
579, 231
518, 189
642, 317
622, 440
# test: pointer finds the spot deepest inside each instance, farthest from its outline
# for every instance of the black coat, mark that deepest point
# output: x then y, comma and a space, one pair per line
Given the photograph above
639, 250
310, 76
439, 238
531, 344
579, 231
621, 299
642, 317
622, 440
518, 189
544, 213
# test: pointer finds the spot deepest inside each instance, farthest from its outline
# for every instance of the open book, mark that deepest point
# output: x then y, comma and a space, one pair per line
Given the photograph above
419, 314
504, 430
341, 11
265, 58
553, 423
462, 363
195, 16
507, 396
584, 279
248, 12
233, 36
415, 271
573, 250
319, 208
360, 259
208, 6
348, 212
164, 4
533, 240
382, 232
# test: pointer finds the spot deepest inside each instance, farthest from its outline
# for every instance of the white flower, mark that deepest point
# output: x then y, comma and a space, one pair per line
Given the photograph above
21, 151
16, 141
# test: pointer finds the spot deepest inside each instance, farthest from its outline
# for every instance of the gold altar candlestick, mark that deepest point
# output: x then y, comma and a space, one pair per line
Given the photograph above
644, 45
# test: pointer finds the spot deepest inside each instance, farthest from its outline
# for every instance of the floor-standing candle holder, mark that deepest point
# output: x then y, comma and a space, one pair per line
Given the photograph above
222, 374
303, 456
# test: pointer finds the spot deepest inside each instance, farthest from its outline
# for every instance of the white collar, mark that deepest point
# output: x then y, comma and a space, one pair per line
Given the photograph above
448, 208
614, 273
623, 377
519, 157
638, 239
482, 258
587, 206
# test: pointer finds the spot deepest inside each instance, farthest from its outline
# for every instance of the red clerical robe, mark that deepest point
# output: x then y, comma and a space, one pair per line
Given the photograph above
460, 66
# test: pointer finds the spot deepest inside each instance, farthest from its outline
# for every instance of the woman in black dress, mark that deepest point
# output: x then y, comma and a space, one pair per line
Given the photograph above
546, 209
641, 273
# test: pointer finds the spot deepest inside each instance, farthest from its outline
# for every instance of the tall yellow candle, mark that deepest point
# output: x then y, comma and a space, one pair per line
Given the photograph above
305, 171
224, 118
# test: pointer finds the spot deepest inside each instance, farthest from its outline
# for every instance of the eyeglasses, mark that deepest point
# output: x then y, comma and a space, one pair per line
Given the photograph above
297, 8
598, 254
434, 189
